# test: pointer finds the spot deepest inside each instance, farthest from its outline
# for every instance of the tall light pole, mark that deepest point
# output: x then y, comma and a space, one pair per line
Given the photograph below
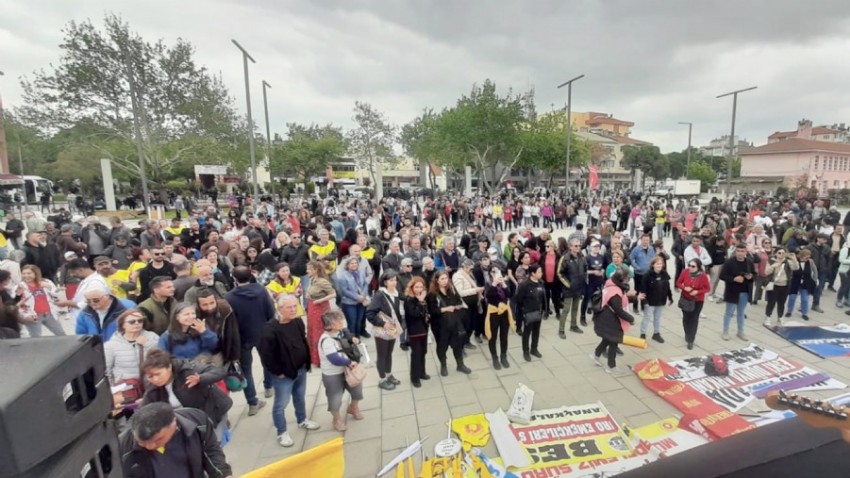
268, 136
569, 85
245, 57
732, 136
690, 129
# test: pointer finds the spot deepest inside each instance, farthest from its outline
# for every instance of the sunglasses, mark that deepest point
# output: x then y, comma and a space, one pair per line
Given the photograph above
134, 321
157, 254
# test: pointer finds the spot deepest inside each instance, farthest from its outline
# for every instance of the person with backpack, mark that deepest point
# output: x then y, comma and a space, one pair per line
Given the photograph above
694, 284
608, 322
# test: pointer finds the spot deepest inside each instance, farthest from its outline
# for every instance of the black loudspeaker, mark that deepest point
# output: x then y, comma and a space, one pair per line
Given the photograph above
54, 389
95, 454
785, 449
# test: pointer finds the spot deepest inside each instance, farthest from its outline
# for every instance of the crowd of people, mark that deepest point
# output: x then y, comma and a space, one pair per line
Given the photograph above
183, 303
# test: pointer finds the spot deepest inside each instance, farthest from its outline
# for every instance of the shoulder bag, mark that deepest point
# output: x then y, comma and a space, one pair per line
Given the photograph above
137, 389
354, 376
687, 305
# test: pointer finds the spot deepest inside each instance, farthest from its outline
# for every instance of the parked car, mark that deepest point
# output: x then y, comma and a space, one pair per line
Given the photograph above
425, 192
398, 193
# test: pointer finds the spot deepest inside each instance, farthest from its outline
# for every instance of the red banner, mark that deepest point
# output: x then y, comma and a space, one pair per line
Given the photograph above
702, 415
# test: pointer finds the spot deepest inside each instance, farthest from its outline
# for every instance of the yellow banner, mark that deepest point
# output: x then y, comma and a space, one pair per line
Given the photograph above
559, 437
326, 460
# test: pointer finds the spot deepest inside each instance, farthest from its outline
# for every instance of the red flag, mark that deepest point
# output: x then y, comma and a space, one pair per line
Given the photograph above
593, 177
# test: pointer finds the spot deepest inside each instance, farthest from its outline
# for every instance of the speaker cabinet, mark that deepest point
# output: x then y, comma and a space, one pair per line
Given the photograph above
95, 454
54, 389
785, 449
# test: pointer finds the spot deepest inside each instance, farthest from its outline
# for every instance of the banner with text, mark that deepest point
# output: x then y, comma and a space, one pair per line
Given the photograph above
823, 341
558, 439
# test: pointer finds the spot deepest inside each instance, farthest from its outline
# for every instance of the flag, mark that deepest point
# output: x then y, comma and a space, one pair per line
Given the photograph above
326, 460
593, 177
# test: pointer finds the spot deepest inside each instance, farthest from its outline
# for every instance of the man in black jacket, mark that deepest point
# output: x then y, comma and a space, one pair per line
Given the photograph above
295, 254
284, 352
43, 254
158, 266
161, 441
252, 305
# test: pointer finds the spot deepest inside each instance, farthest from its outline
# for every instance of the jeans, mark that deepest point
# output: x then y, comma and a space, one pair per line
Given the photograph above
246, 359
654, 312
822, 276
354, 314
48, 321
384, 360
284, 388
741, 306
804, 302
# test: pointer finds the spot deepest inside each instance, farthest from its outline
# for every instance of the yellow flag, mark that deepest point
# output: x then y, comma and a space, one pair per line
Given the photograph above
326, 460
473, 430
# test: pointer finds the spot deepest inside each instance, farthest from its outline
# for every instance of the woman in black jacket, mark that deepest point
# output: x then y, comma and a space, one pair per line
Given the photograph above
417, 319
530, 301
193, 386
384, 312
607, 322
445, 308
499, 317
657, 292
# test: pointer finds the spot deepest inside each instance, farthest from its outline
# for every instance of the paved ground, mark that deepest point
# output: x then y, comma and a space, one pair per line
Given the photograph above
564, 376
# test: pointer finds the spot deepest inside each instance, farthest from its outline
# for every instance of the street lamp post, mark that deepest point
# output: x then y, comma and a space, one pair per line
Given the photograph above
732, 135
268, 136
688, 164
569, 85
245, 57
4, 156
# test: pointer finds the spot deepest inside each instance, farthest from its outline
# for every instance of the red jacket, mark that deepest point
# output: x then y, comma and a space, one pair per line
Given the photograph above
699, 283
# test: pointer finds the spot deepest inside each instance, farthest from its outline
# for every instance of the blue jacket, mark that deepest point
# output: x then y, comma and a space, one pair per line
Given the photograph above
350, 288
641, 259
88, 322
194, 346
253, 307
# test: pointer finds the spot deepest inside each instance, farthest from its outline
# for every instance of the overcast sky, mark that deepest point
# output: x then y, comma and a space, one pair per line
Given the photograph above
654, 63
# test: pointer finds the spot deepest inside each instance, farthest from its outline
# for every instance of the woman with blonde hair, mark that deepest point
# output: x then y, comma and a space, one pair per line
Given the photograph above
320, 293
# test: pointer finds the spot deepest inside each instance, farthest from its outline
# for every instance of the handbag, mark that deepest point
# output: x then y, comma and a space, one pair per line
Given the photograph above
137, 389
354, 376
235, 379
687, 305
533, 317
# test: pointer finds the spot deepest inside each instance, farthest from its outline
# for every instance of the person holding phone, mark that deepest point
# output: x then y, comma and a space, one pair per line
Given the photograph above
738, 273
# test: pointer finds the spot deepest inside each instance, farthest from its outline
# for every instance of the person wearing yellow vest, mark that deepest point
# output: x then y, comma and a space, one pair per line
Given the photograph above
285, 283
118, 280
325, 251
176, 228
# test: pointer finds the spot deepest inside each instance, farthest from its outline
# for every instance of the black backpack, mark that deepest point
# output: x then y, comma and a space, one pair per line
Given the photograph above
596, 301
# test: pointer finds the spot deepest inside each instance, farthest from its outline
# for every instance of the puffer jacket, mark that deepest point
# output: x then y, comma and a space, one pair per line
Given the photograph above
122, 356
88, 322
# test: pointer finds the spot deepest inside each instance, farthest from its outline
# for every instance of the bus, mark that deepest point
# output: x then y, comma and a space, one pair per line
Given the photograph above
35, 187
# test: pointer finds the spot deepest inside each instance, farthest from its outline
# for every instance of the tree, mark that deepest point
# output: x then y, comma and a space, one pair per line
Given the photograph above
182, 106
647, 158
308, 150
372, 141
544, 142
702, 172
420, 140
483, 129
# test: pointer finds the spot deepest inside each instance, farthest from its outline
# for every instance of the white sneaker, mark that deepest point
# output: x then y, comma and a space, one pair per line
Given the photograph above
614, 370
309, 425
285, 440
725, 335
595, 359
703, 316
767, 322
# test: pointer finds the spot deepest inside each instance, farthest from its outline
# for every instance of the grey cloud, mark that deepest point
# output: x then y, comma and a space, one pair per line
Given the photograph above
655, 63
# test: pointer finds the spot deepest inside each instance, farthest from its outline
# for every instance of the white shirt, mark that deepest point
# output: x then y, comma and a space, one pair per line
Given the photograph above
703, 255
